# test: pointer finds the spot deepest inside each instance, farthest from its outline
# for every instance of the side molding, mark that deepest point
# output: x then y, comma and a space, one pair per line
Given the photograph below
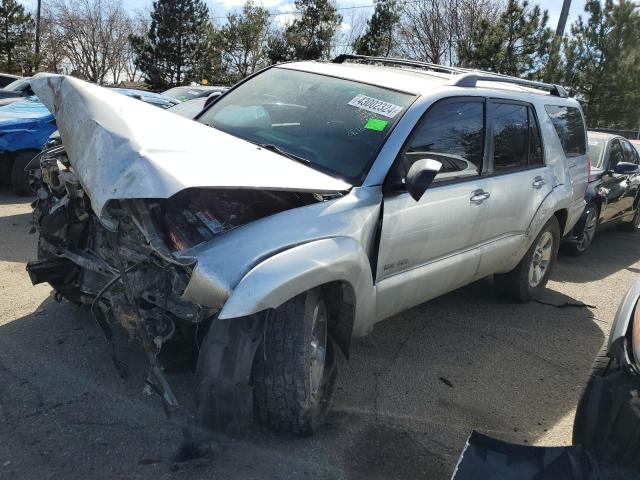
298, 269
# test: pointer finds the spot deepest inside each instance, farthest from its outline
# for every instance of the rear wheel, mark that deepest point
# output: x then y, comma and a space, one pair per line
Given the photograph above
585, 237
20, 178
295, 368
530, 276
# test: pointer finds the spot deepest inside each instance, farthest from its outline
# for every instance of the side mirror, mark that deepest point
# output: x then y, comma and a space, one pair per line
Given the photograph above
420, 176
627, 168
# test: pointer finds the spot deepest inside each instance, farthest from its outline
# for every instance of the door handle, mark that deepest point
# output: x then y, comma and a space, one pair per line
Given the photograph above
479, 196
538, 182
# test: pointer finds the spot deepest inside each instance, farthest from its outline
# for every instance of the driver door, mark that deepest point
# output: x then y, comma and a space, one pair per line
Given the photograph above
432, 246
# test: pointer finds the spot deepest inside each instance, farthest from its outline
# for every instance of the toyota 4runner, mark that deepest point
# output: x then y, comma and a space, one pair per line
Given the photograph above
307, 203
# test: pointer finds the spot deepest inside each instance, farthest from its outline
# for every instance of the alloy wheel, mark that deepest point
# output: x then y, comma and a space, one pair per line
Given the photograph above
318, 348
541, 259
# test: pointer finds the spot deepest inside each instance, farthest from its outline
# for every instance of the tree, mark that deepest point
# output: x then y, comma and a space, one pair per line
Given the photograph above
177, 47
93, 34
436, 30
16, 38
514, 45
378, 40
602, 63
310, 36
244, 39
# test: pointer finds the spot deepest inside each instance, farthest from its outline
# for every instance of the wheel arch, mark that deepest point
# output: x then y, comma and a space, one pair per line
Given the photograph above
338, 265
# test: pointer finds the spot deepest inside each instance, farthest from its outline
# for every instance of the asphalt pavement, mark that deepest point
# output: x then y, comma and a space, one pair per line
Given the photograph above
406, 401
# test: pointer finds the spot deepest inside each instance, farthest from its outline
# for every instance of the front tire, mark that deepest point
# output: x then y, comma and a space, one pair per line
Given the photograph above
295, 368
598, 370
20, 178
529, 278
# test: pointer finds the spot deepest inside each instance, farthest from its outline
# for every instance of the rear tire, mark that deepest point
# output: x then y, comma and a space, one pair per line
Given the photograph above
528, 279
295, 368
20, 178
585, 237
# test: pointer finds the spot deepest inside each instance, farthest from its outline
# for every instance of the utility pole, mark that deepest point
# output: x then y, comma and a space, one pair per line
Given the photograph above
38, 35
562, 21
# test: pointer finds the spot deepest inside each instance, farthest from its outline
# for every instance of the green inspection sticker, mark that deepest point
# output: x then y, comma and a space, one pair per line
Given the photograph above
375, 124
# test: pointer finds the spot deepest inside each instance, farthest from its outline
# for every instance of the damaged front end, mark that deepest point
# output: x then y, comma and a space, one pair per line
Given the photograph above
130, 267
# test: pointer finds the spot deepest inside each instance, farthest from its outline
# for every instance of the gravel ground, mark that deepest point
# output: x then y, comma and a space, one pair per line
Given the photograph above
406, 401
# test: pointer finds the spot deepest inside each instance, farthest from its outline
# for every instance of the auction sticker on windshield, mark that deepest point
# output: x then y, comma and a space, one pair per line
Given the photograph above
374, 105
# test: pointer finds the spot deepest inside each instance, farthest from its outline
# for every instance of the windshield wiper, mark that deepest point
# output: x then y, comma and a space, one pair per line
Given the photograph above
276, 149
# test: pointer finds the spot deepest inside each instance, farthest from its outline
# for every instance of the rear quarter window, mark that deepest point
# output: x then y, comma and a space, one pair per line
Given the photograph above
569, 126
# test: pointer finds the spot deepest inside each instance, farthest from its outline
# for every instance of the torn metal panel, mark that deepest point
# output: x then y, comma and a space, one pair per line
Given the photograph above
121, 148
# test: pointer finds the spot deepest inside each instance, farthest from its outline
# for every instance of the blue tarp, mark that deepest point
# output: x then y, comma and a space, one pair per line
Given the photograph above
25, 124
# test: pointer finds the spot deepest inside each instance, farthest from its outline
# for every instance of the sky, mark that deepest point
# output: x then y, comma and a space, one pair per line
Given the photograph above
221, 7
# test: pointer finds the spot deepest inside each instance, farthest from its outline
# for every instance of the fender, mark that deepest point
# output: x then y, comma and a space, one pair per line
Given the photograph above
545, 211
296, 270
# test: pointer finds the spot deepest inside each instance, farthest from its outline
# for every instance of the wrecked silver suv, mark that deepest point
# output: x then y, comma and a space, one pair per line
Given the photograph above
309, 202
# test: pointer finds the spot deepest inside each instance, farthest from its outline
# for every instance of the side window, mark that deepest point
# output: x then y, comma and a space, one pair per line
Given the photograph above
616, 154
630, 154
569, 126
516, 137
451, 132
535, 140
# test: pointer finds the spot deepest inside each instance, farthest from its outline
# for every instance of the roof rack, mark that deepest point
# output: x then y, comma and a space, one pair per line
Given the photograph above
470, 79
397, 61
464, 77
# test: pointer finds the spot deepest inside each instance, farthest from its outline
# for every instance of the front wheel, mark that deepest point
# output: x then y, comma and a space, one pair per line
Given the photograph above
295, 368
20, 178
528, 279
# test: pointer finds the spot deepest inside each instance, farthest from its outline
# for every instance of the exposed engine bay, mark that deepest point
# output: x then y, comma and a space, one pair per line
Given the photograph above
133, 269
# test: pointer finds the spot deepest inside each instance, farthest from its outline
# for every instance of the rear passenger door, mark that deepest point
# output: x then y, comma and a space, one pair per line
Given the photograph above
520, 181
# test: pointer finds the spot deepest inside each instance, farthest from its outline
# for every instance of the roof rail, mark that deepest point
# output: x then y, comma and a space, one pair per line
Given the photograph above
465, 77
470, 79
396, 61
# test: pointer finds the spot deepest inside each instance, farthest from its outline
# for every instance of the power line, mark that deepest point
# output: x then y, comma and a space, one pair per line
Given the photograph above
356, 7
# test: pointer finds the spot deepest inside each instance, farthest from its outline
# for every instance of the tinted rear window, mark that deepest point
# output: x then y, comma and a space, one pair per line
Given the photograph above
570, 128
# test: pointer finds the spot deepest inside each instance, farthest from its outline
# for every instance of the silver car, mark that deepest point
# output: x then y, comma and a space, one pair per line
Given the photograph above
305, 205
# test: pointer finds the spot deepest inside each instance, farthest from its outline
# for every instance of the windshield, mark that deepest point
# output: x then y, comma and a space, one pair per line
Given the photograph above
184, 93
336, 125
596, 150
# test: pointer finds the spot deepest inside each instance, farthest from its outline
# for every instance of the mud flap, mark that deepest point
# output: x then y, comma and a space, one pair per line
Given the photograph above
223, 375
485, 458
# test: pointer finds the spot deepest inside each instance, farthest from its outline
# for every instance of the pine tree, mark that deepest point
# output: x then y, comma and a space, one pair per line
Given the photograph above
515, 45
176, 50
378, 39
602, 66
16, 38
308, 37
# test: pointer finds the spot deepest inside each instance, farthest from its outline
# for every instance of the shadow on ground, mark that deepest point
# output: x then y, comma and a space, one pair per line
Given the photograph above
612, 250
406, 402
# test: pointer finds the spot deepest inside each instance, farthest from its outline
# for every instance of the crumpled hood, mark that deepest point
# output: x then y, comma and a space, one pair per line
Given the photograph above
122, 148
